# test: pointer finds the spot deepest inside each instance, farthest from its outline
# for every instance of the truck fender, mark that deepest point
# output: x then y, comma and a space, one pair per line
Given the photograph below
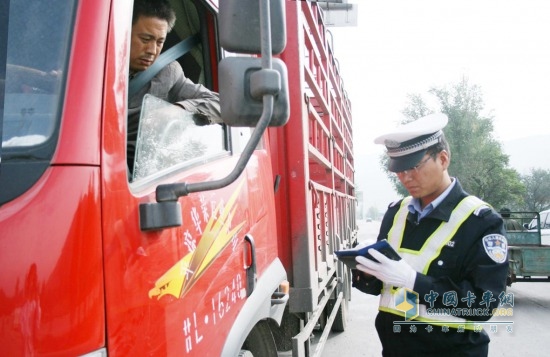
258, 306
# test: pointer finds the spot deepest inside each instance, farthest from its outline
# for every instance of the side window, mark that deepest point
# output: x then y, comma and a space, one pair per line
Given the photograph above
37, 48
164, 137
35, 38
170, 138
191, 21
533, 223
545, 220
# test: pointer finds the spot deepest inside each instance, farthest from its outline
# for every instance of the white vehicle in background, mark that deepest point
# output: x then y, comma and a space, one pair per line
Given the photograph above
544, 226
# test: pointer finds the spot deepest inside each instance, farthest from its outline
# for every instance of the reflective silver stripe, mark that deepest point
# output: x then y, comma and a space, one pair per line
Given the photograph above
421, 260
395, 235
424, 144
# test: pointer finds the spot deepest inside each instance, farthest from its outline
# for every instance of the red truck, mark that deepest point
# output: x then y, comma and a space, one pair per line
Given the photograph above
221, 240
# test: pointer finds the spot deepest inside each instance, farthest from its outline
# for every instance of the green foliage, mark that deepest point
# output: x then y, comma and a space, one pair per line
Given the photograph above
537, 190
477, 159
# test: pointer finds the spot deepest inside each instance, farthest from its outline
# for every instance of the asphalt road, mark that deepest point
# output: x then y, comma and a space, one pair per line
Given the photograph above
525, 334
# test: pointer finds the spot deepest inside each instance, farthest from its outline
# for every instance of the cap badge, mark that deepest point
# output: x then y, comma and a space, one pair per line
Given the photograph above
392, 144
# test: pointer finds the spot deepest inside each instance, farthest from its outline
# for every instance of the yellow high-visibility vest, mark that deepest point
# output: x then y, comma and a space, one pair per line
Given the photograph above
420, 260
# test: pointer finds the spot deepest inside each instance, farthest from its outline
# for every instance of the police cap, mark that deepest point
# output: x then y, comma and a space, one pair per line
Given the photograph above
408, 143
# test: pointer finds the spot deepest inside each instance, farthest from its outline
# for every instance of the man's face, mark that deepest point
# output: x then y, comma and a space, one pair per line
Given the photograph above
428, 179
148, 36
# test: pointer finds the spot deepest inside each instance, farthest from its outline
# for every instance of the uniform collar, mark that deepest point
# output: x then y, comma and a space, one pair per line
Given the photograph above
447, 205
446, 202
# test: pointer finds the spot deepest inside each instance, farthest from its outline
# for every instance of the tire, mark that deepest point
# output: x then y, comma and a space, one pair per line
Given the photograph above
340, 321
260, 341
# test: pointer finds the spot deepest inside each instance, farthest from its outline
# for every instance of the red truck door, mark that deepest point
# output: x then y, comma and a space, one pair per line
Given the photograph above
178, 289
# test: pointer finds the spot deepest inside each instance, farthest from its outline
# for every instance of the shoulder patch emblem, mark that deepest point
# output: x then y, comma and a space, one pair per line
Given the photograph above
496, 247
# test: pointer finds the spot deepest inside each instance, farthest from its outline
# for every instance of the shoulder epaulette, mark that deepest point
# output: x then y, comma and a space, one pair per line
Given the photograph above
482, 211
394, 203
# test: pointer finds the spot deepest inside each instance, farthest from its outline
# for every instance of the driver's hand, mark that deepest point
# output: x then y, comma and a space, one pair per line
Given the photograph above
200, 119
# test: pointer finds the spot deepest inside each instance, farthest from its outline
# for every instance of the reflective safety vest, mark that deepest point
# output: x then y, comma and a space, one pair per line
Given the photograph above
420, 260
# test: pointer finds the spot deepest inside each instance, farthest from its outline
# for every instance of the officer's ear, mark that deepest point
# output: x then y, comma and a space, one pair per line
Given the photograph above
445, 158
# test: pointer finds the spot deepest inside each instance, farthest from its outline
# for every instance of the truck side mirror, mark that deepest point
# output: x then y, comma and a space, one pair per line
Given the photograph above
242, 84
240, 26
246, 27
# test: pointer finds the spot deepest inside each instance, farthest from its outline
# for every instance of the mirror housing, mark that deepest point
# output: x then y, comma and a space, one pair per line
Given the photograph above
242, 84
240, 26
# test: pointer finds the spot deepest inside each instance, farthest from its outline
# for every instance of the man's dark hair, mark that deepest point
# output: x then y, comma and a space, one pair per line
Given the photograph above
154, 8
441, 145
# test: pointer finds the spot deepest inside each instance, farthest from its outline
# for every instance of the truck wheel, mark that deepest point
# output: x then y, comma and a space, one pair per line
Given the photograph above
340, 321
260, 342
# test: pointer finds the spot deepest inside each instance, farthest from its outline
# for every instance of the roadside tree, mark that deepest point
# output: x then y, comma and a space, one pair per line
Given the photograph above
477, 158
537, 190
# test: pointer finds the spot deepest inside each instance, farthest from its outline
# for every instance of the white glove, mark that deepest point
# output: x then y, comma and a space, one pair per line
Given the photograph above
397, 273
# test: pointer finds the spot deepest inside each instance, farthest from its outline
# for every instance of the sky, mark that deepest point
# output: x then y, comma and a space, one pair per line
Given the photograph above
403, 47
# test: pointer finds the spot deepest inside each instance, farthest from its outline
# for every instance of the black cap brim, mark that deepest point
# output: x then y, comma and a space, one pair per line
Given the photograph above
407, 162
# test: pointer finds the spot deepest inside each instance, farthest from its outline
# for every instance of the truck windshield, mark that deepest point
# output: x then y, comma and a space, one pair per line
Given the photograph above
34, 48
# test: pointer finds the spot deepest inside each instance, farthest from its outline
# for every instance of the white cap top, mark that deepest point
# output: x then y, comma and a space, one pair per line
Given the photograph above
422, 126
407, 144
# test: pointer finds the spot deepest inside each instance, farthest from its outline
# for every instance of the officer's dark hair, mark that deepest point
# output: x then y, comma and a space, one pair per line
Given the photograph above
154, 8
441, 145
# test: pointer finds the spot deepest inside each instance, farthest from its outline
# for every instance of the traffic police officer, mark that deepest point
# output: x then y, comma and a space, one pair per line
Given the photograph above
454, 254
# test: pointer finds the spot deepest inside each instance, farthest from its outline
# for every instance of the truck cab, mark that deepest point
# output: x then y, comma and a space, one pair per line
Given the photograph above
194, 250
81, 271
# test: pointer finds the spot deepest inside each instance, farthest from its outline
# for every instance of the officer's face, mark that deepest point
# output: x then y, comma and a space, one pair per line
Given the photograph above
148, 36
429, 179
